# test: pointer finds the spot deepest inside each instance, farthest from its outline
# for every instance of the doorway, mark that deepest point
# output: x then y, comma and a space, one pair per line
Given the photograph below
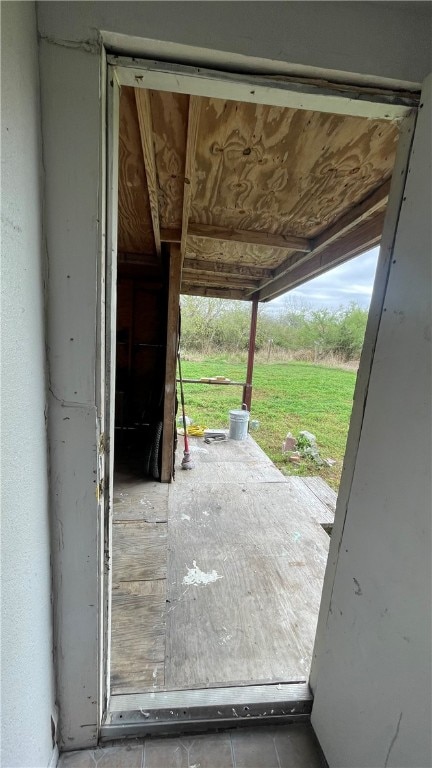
293, 259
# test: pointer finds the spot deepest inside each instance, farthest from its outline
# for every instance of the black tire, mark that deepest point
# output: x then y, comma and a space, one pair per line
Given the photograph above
148, 442
155, 453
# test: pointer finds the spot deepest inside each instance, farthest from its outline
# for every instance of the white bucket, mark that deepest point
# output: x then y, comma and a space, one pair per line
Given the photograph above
238, 429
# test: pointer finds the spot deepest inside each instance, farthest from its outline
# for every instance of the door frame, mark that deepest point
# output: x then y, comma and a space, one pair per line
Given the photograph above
180, 711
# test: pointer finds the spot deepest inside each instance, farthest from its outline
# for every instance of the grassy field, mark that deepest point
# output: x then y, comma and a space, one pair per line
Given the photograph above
287, 397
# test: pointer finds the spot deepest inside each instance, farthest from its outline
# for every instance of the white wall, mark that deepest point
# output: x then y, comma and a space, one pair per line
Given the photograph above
375, 40
379, 40
372, 673
72, 162
26, 643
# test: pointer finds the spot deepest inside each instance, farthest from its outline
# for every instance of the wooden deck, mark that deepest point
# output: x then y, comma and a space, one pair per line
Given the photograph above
217, 578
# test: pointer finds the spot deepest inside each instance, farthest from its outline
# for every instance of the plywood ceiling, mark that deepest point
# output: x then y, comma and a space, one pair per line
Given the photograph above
259, 197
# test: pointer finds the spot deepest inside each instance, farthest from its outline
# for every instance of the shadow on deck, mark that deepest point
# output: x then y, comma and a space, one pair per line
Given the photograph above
217, 578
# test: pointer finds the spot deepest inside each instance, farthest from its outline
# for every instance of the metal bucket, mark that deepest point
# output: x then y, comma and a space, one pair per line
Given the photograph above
238, 429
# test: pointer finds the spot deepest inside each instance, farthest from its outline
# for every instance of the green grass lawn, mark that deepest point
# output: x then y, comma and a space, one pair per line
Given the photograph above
287, 397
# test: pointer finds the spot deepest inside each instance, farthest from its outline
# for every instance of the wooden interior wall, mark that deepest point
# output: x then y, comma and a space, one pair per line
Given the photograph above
141, 343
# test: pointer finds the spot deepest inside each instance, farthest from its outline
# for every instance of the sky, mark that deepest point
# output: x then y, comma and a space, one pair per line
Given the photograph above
350, 282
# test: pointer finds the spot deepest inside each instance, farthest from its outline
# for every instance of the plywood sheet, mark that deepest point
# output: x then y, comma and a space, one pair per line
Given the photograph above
138, 636
283, 170
135, 229
232, 451
145, 502
262, 535
169, 118
139, 551
300, 493
226, 472
323, 491
239, 253
257, 613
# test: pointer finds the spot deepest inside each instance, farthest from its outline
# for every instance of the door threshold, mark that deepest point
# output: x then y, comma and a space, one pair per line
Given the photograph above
170, 712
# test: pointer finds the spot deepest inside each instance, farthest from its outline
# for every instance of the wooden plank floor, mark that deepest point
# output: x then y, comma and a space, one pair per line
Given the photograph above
217, 578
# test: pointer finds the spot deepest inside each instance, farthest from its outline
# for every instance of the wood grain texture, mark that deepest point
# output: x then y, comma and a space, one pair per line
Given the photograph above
191, 289
230, 451
323, 492
135, 228
237, 514
170, 117
322, 507
283, 170
301, 269
139, 551
251, 237
171, 364
190, 166
139, 501
138, 629
202, 266
139, 560
224, 472
349, 222
219, 280
266, 601
372, 203
143, 105
237, 183
234, 253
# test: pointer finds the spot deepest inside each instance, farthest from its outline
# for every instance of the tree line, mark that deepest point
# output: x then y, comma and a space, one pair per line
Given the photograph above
212, 326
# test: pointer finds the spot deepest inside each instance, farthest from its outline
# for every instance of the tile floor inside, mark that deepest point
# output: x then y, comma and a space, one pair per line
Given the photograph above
284, 746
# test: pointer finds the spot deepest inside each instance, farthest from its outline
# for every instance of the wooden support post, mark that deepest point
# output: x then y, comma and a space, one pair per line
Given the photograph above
171, 364
247, 390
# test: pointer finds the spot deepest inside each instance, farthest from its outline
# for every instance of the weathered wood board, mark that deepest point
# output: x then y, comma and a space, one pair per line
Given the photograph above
323, 491
135, 228
139, 501
139, 551
138, 636
228, 461
139, 557
320, 510
236, 472
255, 614
233, 451
260, 532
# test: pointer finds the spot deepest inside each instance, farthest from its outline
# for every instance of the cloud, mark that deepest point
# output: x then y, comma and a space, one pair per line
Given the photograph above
349, 282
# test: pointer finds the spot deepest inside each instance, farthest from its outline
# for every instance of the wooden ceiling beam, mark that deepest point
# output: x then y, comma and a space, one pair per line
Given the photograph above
221, 267
360, 212
144, 259
191, 142
142, 98
250, 237
191, 289
222, 281
170, 235
345, 224
367, 235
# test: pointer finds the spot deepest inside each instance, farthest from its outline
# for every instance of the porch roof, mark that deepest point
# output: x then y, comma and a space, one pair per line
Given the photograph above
259, 198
